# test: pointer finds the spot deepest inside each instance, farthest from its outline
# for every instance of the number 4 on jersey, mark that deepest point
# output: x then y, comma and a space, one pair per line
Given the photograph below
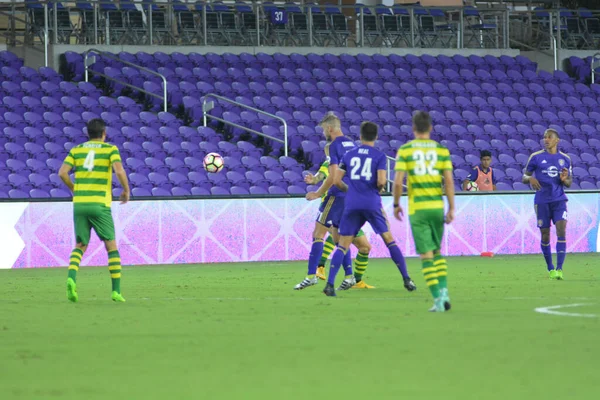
365, 172
88, 163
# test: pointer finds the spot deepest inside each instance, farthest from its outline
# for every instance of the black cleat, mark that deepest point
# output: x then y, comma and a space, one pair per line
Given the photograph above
447, 305
409, 285
329, 290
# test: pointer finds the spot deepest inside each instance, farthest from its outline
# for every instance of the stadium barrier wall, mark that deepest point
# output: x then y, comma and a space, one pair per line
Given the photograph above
40, 234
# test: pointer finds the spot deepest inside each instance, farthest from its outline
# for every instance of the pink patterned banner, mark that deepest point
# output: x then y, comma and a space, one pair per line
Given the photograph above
210, 231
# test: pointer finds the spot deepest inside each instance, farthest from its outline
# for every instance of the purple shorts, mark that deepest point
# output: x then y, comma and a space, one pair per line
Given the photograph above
330, 211
550, 212
353, 221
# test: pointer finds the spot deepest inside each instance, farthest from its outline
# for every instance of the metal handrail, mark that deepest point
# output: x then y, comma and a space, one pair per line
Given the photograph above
555, 50
207, 106
595, 59
110, 56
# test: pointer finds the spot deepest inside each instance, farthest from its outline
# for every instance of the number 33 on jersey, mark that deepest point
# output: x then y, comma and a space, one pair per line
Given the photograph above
424, 161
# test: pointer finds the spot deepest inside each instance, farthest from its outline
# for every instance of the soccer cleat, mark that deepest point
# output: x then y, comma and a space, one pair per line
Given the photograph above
321, 273
445, 299
347, 283
553, 274
438, 305
72, 290
559, 274
118, 297
329, 290
409, 285
362, 285
306, 283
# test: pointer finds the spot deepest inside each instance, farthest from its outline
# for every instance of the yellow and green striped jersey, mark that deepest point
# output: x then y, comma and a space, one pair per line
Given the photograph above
324, 169
424, 161
92, 162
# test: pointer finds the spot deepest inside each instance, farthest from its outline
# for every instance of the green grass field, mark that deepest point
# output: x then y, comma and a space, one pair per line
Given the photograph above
239, 331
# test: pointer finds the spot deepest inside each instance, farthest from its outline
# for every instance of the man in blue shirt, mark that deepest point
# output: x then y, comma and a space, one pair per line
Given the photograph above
362, 174
553, 172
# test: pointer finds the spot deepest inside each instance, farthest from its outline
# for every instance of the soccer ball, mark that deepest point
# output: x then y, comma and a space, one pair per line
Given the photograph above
472, 187
213, 162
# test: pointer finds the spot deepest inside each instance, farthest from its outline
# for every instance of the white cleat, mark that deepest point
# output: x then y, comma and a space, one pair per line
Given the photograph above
445, 299
306, 283
347, 283
438, 305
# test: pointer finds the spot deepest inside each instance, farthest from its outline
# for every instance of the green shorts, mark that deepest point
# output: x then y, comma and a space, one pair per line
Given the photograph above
428, 229
98, 217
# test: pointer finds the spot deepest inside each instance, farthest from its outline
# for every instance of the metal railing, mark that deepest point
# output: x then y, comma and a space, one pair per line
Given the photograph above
150, 23
209, 105
595, 64
88, 61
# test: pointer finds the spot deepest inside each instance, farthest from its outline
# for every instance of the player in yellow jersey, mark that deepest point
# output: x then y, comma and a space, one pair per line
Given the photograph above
361, 262
93, 163
426, 163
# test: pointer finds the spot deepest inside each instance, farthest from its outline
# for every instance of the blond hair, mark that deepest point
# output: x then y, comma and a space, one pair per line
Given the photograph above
330, 119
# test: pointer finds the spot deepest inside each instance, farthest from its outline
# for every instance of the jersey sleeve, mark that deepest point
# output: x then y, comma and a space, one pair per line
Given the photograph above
445, 161
381, 163
334, 157
115, 156
494, 180
343, 162
401, 164
473, 175
531, 164
324, 169
69, 159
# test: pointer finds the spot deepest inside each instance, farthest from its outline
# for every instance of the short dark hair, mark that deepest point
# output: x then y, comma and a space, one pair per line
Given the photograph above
485, 153
95, 128
368, 131
421, 121
552, 132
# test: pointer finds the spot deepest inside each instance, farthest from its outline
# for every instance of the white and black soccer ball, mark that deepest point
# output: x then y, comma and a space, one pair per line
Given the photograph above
472, 187
213, 162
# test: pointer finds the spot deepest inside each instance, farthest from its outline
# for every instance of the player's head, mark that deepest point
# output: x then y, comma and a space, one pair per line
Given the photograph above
96, 129
332, 127
551, 139
421, 123
486, 158
368, 132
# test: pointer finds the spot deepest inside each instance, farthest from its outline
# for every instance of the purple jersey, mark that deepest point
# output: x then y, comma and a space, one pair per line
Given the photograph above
546, 168
361, 165
334, 152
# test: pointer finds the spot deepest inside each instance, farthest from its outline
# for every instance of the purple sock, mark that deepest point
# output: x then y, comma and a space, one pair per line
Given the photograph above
336, 263
561, 251
316, 252
398, 258
347, 263
547, 252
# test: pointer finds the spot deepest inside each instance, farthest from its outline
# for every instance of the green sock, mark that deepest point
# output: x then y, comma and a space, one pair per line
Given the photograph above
328, 248
74, 261
441, 269
114, 267
361, 262
431, 277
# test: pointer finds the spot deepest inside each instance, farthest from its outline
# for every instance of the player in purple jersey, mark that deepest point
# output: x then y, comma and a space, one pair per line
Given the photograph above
332, 205
553, 172
362, 174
